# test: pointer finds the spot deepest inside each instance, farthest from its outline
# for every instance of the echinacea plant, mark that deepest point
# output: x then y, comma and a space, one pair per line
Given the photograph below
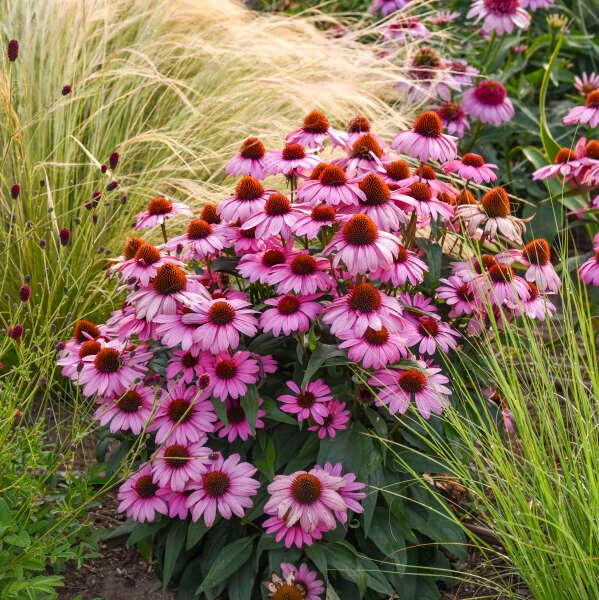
264, 349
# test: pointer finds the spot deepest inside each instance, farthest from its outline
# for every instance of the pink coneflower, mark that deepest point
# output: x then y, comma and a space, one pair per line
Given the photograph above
426, 140
168, 290
321, 215
314, 131
294, 535
308, 498
172, 331
472, 167
185, 365
537, 4
379, 203
443, 17
461, 73
159, 210
406, 268
457, 294
425, 385
501, 16
493, 214
244, 240
505, 287
489, 103
357, 127
297, 584
220, 321
473, 268
335, 420
363, 156
113, 369
586, 83
301, 273
144, 265
361, 246
420, 197
426, 174
141, 498
536, 306
432, 334
127, 412
238, 425
184, 415
202, 239
257, 267
176, 464
452, 117
71, 357
386, 7
333, 187
226, 487
564, 164
365, 306
405, 29
374, 348
589, 113
416, 306
396, 173
277, 218
177, 503
536, 255
310, 403
249, 160
290, 313
248, 200
587, 162
350, 491
292, 160
230, 375
589, 270
428, 77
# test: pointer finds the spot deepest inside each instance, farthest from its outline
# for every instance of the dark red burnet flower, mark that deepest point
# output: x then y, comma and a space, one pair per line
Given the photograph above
16, 332
13, 50
112, 186
103, 167
113, 160
15, 190
65, 236
66, 89
25, 293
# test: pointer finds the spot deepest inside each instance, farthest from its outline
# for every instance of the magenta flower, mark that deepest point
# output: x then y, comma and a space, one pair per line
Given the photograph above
537, 4
357, 127
364, 155
113, 369
244, 240
184, 415
489, 103
501, 16
586, 84
430, 334
426, 141
202, 239
396, 173
238, 425
350, 491
314, 131
299, 583
249, 160
407, 28
589, 113
417, 306
309, 498
472, 167
536, 255
332, 187
141, 498
386, 7
220, 322
259, 266
461, 73
293, 535
144, 265
421, 198
226, 487
452, 117
310, 224
172, 331
335, 420
536, 306
290, 313
185, 365
310, 403
425, 385
301, 273
276, 219
457, 294
248, 200
406, 268
565, 164
443, 17
177, 503
589, 270
361, 246
176, 464
505, 287
126, 412
230, 375
365, 306
292, 160
374, 348
159, 210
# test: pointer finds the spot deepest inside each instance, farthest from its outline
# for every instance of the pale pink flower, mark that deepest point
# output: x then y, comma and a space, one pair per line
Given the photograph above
309, 403
357, 127
406, 268
125, 324
416, 306
258, 266
303, 580
405, 29
453, 117
351, 492
248, 200
177, 503
489, 103
290, 313
537, 4
277, 218
431, 334
421, 199
364, 155
589, 270
386, 7
129, 411
335, 420
396, 173
472, 167
426, 174
201, 240
226, 487
374, 349
141, 498
505, 287
294, 535
501, 16
173, 331
249, 160
332, 187
586, 84
176, 464
159, 210
443, 17
230, 375
462, 73
564, 164
244, 240
310, 224
589, 113
536, 256
536, 306
185, 365
144, 265
292, 160
238, 425
301, 273
457, 294
314, 131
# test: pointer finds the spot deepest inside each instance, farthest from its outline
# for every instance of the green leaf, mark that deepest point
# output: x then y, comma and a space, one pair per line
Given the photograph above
142, 531
220, 408
229, 560
241, 584
317, 555
250, 403
266, 460
195, 532
323, 355
274, 414
549, 144
388, 537
175, 541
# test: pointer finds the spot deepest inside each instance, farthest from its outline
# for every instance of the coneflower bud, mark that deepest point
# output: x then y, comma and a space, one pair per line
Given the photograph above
113, 161
15, 190
112, 186
16, 332
103, 167
25, 293
13, 50
65, 236
66, 90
